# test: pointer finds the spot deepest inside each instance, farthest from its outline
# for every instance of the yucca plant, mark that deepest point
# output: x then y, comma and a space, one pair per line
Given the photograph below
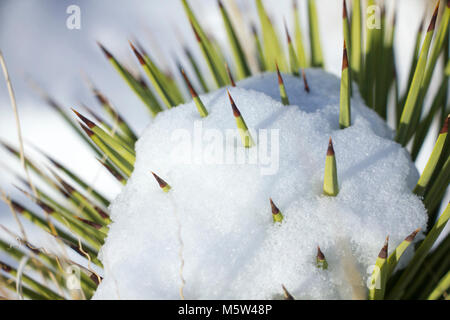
77, 216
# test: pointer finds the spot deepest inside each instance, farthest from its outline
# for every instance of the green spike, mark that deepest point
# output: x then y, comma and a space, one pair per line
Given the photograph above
430, 167
116, 174
153, 76
413, 94
243, 69
143, 93
434, 195
276, 213
165, 80
101, 228
198, 102
196, 69
330, 182
345, 103
367, 87
283, 94
347, 41
121, 163
356, 48
314, 35
321, 261
230, 75
425, 125
379, 274
209, 59
436, 49
395, 256
293, 62
305, 81
420, 254
271, 44
162, 184
84, 185
441, 288
212, 56
92, 211
115, 116
298, 35
113, 131
247, 140
259, 50
125, 152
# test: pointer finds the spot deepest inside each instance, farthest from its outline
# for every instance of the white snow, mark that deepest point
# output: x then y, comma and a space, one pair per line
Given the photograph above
228, 242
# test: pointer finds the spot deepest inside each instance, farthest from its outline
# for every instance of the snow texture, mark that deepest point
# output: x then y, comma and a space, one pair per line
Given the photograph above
218, 215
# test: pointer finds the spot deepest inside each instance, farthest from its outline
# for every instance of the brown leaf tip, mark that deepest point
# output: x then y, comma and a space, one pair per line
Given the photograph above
190, 87
289, 40
275, 209
236, 111
5, 267
445, 126
305, 81
90, 223
330, 151
344, 10
105, 51
64, 184
44, 206
17, 207
287, 295
230, 76
384, 251
110, 170
220, 4
101, 212
161, 182
434, 18
86, 130
100, 97
320, 255
411, 237
137, 53
280, 79
88, 122
197, 36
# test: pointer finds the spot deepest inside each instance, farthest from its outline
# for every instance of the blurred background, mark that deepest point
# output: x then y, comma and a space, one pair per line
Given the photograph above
39, 47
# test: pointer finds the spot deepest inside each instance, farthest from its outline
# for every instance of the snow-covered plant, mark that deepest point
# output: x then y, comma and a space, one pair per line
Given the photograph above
313, 196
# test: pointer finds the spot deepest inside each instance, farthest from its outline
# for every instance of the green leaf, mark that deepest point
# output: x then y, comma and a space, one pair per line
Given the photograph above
419, 256
406, 120
243, 69
314, 36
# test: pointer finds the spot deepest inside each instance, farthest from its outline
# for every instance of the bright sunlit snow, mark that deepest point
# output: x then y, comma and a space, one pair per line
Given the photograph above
217, 217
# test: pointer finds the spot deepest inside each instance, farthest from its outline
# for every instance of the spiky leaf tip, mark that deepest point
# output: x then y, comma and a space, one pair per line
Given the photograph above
246, 138
330, 183
162, 184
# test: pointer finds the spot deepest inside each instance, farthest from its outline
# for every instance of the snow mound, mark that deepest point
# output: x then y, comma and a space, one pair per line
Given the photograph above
217, 218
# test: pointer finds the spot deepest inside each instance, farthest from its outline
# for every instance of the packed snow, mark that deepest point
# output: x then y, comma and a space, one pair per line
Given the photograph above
212, 235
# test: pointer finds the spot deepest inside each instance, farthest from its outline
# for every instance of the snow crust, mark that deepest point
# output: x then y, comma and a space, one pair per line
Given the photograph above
217, 218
